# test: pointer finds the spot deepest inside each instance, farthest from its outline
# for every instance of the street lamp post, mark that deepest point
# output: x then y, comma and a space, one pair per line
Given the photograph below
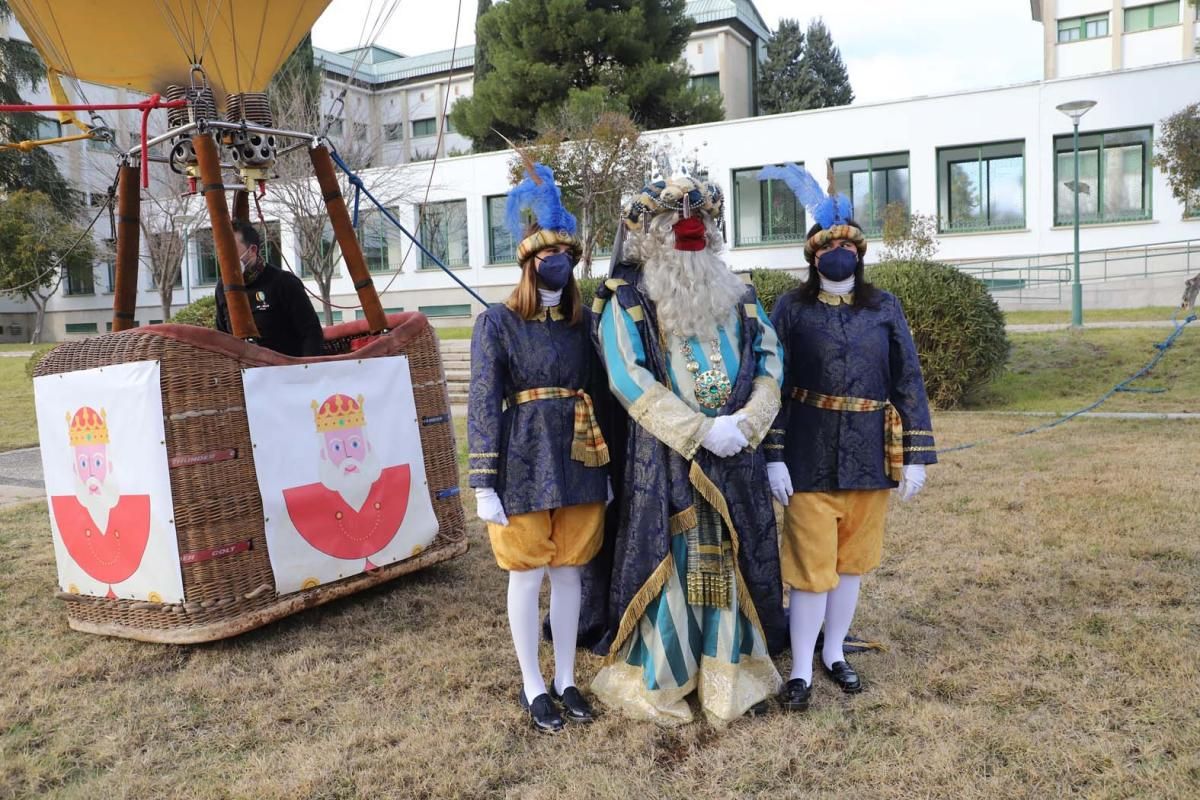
1075, 110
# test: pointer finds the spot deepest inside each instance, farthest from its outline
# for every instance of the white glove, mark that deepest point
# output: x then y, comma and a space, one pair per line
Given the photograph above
610, 492
912, 481
724, 438
781, 481
488, 506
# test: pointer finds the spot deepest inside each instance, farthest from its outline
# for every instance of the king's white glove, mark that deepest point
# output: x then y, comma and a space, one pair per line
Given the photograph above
781, 481
724, 438
488, 506
912, 481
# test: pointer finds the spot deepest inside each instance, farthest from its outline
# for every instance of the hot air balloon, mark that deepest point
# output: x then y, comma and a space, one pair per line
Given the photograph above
207, 63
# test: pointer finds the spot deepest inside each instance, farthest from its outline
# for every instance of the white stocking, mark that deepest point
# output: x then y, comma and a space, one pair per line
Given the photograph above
839, 613
805, 614
565, 591
523, 590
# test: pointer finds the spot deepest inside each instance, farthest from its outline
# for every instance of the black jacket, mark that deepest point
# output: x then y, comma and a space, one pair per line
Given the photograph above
286, 320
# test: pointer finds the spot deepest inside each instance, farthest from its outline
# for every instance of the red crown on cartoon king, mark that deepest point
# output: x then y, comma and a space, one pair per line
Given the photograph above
358, 505
104, 531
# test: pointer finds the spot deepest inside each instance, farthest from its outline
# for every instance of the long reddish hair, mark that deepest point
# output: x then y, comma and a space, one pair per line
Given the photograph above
525, 300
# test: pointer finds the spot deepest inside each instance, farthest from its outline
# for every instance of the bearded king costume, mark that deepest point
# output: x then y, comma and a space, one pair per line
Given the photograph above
537, 456
687, 597
854, 425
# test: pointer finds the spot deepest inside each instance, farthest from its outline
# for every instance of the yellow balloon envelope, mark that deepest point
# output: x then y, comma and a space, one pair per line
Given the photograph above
147, 44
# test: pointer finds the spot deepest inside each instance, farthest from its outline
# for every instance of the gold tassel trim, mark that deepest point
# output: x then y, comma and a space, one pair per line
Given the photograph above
637, 606
683, 521
589, 455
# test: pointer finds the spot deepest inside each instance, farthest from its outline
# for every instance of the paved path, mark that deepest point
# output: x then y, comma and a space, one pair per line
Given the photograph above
15, 353
1062, 326
21, 476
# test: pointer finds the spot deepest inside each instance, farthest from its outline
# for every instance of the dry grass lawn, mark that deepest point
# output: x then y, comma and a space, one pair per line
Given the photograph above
1040, 602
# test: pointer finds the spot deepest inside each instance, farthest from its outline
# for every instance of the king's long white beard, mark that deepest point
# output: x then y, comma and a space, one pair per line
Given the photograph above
98, 505
693, 292
353, 486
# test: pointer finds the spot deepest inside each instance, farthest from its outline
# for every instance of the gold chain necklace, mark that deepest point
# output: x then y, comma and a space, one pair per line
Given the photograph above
712, 387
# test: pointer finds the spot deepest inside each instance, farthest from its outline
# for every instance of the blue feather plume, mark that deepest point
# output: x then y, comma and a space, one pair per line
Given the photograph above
825, 210
539, 195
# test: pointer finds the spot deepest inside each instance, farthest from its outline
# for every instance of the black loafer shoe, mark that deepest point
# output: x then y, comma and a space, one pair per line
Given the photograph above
574, 704
795, 695
759, 709
542, 712
844, 676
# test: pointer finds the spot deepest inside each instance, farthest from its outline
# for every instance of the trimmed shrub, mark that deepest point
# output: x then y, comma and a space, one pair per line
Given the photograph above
587, 289
202, 313
957, 326
38, 352
771, 284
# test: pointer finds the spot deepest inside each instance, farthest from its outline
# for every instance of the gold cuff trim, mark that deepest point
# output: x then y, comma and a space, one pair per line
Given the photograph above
772, 447
761, 409
598, 305
918, 433
920, 449
484, 472
778, 431
635, 313
483, 455
669, 420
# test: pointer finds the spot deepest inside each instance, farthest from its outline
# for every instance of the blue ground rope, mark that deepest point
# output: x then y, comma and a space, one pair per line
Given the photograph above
357, 183
1124, 386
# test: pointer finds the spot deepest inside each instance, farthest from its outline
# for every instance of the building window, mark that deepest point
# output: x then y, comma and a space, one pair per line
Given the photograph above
424, 127
710, 82
1078, 28
81, 279
207, 269
380, 248
873, 183
1114, 177
981, 187
450, 126
1159, 15
443, 230
393, 132
48, 128
84, 327
329, 246
360, 132
335, 127
765, 212
360, 314
502, 247
463, 310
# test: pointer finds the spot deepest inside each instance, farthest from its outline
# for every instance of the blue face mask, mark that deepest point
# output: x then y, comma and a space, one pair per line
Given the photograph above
555, 270
838, 265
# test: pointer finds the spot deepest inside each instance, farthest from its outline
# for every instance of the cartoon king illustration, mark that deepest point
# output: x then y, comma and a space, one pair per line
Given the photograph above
104, 531
358, 506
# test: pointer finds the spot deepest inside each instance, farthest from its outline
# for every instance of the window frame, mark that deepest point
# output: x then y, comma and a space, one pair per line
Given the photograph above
945, 222
429, 310
432, 125
767, 191
706, 82
1147, 175
68, 281
424, 264
492, 259
1152, 8
1080, 26
873, 229
76, 328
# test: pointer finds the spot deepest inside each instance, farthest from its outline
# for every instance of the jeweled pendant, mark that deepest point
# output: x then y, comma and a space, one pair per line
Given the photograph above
712, 389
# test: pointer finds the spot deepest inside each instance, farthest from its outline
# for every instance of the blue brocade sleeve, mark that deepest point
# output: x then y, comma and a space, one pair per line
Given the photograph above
485, 404
908, 391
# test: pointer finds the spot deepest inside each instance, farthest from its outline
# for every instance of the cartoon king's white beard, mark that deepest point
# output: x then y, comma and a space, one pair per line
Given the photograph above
99, 498
352, 479
693, 292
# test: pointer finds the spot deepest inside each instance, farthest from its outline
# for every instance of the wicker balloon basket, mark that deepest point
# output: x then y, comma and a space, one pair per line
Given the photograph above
217, 503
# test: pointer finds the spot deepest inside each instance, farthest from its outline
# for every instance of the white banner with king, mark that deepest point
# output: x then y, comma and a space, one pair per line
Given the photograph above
337, 452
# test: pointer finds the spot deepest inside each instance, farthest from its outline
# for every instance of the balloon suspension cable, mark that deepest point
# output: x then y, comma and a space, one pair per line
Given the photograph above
357, 183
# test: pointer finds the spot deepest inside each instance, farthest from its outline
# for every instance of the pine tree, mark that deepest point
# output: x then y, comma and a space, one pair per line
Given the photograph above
781, 82
21, 69
539, 50
824, 81
483, 67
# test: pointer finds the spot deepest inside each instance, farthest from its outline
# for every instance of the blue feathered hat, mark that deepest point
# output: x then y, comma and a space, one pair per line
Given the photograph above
539, 196
833, 212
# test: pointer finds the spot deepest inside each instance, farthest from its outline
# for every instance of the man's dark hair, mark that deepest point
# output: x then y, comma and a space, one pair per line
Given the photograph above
249, 234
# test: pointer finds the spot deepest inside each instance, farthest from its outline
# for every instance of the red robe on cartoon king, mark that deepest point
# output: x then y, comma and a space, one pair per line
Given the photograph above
104, 532
358, 506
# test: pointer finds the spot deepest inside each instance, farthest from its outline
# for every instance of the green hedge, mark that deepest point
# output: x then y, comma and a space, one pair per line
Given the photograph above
771, 284
957, 326
202, 313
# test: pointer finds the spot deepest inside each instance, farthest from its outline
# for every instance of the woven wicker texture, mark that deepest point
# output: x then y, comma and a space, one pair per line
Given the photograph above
218, 504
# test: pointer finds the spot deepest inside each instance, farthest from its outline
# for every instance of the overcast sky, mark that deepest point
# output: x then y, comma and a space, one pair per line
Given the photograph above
892, 50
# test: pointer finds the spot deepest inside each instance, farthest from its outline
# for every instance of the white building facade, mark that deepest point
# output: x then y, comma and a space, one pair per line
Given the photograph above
1083, 37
